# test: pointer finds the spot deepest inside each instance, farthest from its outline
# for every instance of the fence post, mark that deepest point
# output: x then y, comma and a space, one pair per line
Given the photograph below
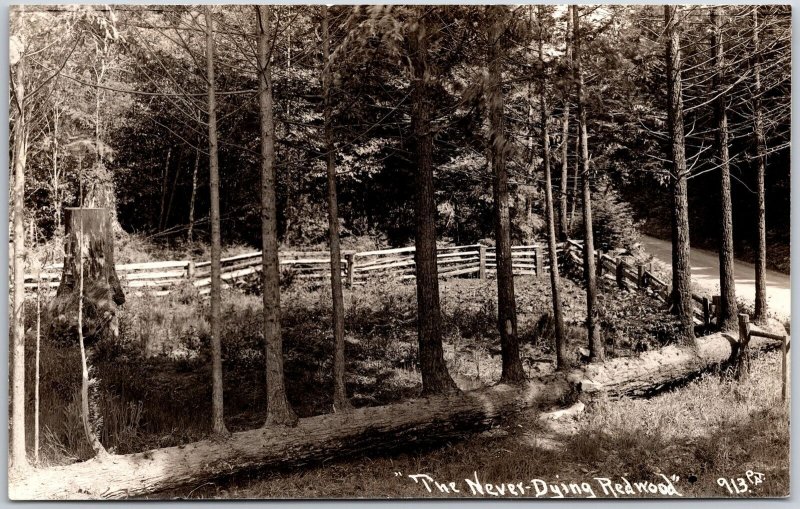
640, 282
350, 257
481, 261
715, 300
706, 312
537, 253
599, 263
190, 269
620, 273
743, 362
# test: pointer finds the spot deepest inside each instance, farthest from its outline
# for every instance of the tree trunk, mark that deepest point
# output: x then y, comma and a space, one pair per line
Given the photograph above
55, 181
17, 456
761, 162
555, 284
681, 269
91, 423
596, 350
575, 179
217, 408
190, 232
340, 401
85, 305
174, 185
426, 420
563, 231
727, 316
102, 292
278, 409
506, 305
435, 377
164, 179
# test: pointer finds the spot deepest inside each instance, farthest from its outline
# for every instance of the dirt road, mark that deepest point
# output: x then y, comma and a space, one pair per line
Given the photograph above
705, 273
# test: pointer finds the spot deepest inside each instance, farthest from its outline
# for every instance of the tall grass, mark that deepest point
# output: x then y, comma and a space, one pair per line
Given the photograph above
154, 387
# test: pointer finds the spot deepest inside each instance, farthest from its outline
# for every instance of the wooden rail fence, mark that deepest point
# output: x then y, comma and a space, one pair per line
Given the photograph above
358, 267
745, 333
641, 276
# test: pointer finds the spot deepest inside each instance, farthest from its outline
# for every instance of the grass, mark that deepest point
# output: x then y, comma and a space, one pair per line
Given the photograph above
155, 381
710, 429
155, 384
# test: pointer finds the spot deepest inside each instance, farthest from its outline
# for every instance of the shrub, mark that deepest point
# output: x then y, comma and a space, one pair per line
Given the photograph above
613, 222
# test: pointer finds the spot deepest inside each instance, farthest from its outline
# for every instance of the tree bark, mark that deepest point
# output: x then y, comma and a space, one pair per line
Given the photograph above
506, 306
172, 190
340, 401
596, 350
85, 305
56, 180
101, 291
761, 163
555, 283
17, 456
164, 179
681, 269
425, 420
91, 423
562, 196
727, 317
278, 409
190, 232
435, 376
575, 179
217, 407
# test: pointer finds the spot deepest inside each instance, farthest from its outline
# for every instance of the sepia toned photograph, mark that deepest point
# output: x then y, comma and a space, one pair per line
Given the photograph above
309, 251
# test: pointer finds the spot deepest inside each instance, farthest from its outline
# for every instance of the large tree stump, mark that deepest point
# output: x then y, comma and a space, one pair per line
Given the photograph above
91, 230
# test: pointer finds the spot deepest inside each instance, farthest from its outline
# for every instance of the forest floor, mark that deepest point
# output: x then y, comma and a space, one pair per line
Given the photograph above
154, 390
154, 383
711, 430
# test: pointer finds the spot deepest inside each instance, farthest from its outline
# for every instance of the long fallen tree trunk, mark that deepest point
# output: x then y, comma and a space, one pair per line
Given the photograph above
365, 429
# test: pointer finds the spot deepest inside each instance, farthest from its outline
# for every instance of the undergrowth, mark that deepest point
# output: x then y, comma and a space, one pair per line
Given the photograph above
155, 383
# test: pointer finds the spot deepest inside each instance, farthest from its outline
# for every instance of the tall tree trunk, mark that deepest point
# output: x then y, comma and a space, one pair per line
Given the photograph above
555, 284
90, 425
164, 180
217, 408
728, 309
596, 350
340, 401
681, 269
190, 232
55, 181
575, 179
761, 162
507, 309
278, 409
435, 377
174, 185
563, 231
17, 458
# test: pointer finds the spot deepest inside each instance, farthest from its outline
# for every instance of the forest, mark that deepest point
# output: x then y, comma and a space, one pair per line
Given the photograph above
318, 232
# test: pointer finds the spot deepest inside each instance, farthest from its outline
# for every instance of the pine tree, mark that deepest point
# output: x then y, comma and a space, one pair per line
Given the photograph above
507, 308
278, 409
681, 270
435, 377
596, 350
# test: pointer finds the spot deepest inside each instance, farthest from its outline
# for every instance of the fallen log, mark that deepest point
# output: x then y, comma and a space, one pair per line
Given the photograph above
365, 429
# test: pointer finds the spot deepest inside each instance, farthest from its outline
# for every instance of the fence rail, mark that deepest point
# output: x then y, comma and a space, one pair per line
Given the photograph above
358, 267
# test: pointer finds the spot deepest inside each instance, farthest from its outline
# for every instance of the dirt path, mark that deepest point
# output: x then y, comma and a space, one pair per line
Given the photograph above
705, 272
